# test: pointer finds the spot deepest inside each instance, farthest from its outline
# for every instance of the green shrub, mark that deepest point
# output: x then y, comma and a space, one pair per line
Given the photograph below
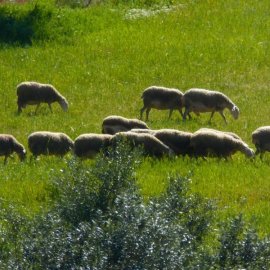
101, 221
22, 25
240, 247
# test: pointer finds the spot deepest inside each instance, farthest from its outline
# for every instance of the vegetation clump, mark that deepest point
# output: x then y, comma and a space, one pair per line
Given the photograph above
101, 221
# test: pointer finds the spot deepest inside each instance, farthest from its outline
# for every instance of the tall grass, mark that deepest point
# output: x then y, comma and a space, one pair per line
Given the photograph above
101, 60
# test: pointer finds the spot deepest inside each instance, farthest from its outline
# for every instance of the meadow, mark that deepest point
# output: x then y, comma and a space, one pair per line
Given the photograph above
103, 57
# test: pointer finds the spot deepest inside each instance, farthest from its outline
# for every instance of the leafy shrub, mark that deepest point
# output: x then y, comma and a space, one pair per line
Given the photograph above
21, 25
101, 221
240, 247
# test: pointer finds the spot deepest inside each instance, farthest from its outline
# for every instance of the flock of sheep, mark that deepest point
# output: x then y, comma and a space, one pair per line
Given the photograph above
157, 143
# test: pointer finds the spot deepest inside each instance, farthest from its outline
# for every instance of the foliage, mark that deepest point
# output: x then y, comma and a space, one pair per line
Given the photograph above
101, 221
240, 247
21, 25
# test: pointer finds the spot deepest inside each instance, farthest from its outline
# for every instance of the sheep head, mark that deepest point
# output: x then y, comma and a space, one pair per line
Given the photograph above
22, 154
235, 112
64, 104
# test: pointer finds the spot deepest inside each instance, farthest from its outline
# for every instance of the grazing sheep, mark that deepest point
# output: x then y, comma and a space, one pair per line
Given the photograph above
201, 100
49, 143
226, 132
217, 143
89, 145
151, 145
178, 141
161, 98
34, 93
261, 139
9, 145
113, 124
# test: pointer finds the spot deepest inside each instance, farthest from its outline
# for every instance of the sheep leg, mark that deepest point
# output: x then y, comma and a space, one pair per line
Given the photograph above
211, 116
147, 113
258, 151
185, 114
223, 116
37, 108
19, 109
180, 111
5, 160
142, 110
50, 107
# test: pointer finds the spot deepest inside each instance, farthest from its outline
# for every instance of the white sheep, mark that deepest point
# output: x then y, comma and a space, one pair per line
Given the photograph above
113, 124
9, 145
201, 100
34, 93
178, 141
226, 132
151, 145
218, 144
261, 139
90, 144
49, 143
161, 98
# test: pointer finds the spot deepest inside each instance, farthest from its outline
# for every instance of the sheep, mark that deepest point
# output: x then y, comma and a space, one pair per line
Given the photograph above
161, 98
151, 145
113, 124
178, 141
34, 93
261, 140
89, 145
226, 132
9, 145
49, 143
218, 144
201, 100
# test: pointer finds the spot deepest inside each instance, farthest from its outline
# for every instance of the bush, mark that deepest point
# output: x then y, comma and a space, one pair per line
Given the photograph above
101, 221
22, 25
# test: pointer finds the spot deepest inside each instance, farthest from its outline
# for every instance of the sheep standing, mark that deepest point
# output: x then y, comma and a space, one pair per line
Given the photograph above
261, 139
178, 141
113, 124
217, 143
49, 143
9, 145
201, 100
161, 98
151, 145
222, 132
34, 93
89, 145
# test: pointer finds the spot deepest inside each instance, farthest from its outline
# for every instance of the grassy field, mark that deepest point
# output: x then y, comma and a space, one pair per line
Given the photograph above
106, 60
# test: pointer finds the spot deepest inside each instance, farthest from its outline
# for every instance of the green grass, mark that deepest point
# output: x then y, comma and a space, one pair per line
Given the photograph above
102, 66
